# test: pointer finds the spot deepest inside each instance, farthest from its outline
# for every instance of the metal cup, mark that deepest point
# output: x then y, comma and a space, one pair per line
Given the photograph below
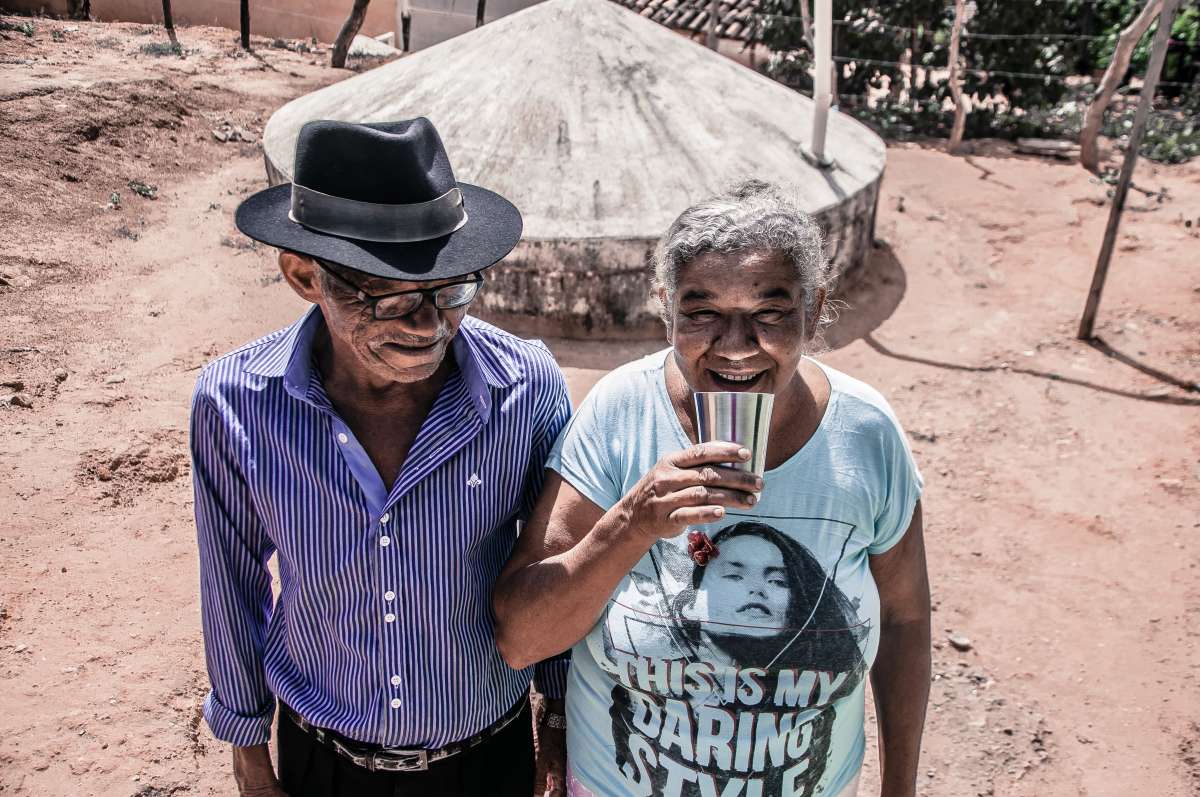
743, 418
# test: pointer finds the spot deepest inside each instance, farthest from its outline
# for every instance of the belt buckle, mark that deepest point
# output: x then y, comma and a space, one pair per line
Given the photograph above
402, 760
365, 761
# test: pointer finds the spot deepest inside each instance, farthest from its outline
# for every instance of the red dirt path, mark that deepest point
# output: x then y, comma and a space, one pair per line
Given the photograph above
1063, 502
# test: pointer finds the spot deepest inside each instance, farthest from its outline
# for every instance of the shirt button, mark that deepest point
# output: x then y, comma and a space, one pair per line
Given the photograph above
386, 517
395, 702
389, 596
385, 541
389, 617
395, 680
342, 438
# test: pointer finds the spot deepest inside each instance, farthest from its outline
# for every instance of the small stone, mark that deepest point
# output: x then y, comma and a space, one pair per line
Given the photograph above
60, 374
959, 642
115, 379
21, 400
20, 648
12, 383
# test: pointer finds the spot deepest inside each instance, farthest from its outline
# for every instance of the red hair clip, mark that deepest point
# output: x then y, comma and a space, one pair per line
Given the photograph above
701, 548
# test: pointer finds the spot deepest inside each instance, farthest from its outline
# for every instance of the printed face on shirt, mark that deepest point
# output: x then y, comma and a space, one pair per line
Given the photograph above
738, 322
405, 349
745, 591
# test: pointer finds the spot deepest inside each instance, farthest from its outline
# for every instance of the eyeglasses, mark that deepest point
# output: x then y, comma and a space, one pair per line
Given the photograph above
402, 303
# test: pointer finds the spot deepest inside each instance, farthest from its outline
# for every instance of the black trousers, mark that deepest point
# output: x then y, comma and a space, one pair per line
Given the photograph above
501, 766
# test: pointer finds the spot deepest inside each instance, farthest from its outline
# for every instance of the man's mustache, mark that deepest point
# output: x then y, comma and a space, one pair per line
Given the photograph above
412, 342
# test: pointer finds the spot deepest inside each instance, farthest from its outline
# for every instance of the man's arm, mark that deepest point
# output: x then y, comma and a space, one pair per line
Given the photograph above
900, 677
235, 601
553, 412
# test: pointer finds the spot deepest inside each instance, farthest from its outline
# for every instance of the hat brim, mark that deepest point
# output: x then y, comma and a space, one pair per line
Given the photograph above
492, 229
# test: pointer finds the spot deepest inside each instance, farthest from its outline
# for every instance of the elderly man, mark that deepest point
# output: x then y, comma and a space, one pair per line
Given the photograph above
384, 448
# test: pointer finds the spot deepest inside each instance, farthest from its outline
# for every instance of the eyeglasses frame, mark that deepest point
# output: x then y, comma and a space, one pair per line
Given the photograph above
427, 294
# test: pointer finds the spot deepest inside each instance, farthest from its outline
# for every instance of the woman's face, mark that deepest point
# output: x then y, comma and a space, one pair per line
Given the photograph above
738, 322
745, 590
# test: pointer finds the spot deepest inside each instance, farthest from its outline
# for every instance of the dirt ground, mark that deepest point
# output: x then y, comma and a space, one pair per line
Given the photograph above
1063, 499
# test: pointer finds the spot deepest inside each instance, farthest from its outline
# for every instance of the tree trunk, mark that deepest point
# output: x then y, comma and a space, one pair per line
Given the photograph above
960, 102
245, 25
350, 28
1089, 147
169, 23
807, 25
480, 9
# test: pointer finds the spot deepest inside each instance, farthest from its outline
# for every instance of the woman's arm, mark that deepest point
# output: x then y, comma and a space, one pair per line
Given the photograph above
572, 554
900, 677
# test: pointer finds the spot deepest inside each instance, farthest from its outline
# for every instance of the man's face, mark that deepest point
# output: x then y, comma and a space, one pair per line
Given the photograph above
405, 349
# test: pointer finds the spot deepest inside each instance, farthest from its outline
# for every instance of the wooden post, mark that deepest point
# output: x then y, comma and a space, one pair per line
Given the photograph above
713, 12
403, 24
480, 9
169, 22
1093, 118
960, 102
1157, 55
245, 24
350, 28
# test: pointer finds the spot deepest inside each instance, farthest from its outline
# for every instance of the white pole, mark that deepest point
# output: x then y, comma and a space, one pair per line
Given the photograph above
823, 64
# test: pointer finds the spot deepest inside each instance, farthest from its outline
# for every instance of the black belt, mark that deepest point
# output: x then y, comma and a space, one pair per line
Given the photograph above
390, 759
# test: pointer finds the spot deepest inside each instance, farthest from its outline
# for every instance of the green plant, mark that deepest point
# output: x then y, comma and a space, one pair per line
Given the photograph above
143, 189
1023, 66
25, 28
162, 48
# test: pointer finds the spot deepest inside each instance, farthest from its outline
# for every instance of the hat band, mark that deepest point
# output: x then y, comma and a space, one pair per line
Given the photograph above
370, 221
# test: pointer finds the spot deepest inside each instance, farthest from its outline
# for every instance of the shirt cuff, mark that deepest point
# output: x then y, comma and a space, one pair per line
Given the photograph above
550, 676
239, 730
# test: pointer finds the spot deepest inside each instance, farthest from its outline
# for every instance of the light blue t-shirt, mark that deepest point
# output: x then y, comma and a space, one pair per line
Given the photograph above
743, 677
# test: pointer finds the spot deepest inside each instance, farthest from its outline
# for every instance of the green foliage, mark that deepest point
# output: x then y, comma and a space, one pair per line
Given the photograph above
1106, 18
143, 189
24, 28
162, 48
1027, 65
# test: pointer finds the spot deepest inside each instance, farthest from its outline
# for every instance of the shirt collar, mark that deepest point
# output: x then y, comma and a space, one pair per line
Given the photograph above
483, 364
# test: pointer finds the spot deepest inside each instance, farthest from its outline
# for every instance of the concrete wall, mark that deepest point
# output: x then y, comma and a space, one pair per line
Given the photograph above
600, 288
434, 21
284, 19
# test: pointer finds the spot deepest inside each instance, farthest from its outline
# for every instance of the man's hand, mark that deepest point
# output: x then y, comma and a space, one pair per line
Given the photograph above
254, 774
552, 751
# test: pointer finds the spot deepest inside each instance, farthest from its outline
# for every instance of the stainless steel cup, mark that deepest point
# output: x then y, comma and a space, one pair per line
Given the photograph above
743, 418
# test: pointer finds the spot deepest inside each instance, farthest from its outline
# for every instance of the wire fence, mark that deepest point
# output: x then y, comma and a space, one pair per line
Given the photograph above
932, 33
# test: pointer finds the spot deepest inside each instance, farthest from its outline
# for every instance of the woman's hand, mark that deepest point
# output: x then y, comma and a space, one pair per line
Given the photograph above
689, 488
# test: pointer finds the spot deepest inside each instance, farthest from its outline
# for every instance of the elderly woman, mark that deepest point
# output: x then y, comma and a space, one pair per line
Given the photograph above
723, 624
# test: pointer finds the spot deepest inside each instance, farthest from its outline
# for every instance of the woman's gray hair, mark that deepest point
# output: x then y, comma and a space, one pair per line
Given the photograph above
751, 215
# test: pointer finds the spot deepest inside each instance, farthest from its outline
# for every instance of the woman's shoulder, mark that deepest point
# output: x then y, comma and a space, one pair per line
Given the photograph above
633, 382
861, 402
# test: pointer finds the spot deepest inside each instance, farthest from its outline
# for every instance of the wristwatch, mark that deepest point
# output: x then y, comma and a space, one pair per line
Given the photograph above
556, 721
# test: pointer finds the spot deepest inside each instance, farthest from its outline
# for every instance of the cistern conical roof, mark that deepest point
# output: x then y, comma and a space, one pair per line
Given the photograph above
595, 122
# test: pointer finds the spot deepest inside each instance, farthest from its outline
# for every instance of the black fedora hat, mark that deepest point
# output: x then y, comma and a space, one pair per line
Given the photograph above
382, 199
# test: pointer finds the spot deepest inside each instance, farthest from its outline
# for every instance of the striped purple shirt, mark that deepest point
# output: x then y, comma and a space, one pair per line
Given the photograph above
383, 628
